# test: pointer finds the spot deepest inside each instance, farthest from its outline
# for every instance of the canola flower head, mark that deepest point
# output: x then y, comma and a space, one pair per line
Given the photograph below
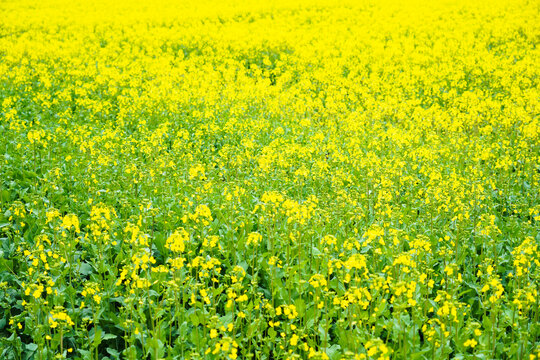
59, 318
71, 221
254, 238
176, 242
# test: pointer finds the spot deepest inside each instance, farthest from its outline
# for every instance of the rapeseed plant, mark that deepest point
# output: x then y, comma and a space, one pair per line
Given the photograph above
272, 180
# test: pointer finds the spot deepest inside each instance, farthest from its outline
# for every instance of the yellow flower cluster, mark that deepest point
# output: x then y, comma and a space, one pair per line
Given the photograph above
177, 241
309, 179
71, 221
59, 317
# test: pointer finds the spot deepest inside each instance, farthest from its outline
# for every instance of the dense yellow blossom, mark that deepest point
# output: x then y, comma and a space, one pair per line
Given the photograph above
269, 180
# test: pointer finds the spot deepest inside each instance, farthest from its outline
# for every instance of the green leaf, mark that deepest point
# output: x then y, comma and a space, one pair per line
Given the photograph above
194, 319
108, 337
333, 352
113, 352
4, 196
6, 265
31, 347
85, 269
253, 328
96, 337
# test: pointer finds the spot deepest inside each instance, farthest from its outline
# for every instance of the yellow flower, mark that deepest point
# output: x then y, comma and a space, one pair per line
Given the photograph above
69, 221
52, 214
470, 343
176, 242
254, 238
58, 317
318, 280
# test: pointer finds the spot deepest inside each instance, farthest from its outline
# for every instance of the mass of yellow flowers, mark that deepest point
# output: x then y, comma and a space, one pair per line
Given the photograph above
268, 180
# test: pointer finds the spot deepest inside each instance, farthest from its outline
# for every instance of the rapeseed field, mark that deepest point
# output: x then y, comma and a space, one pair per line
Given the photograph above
269, 180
